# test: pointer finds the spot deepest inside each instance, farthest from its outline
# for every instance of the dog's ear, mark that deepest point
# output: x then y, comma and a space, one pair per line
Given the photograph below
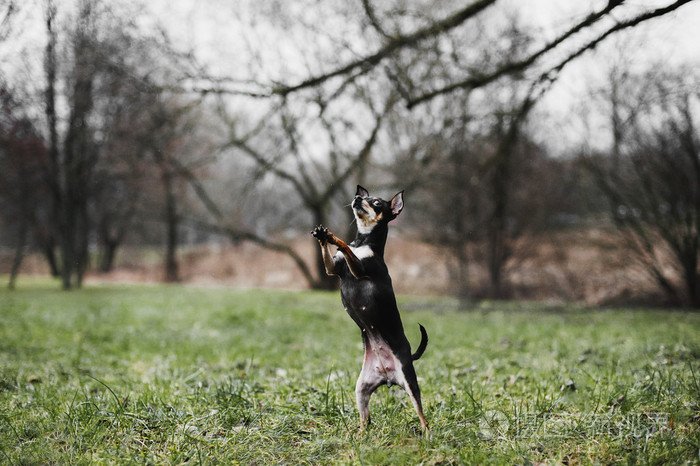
397, 204
362, 192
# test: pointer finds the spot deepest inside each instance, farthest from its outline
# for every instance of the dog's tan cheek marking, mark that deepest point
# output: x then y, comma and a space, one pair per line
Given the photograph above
369, 222
369, 218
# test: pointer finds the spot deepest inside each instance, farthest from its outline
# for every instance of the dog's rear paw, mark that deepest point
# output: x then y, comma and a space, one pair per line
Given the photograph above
321, 233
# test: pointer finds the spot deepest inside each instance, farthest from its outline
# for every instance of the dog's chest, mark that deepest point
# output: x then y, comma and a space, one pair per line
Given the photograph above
360, 298
361, 252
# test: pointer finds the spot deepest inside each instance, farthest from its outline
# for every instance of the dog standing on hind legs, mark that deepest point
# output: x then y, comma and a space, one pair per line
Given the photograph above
368, 297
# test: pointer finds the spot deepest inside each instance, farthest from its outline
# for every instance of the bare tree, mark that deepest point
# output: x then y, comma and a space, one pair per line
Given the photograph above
107, 68
23, 160
478, 159
317, 181
652, 180
481, 201
53, 172
79, 152
501, 228
168, 120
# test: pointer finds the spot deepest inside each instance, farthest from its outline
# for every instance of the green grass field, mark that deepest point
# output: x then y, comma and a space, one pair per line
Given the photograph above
161, 374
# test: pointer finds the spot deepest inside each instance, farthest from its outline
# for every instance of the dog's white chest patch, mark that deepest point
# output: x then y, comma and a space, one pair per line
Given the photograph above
363, 252
365, 226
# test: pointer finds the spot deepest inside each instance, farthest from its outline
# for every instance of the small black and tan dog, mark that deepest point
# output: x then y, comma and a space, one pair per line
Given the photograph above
368, 297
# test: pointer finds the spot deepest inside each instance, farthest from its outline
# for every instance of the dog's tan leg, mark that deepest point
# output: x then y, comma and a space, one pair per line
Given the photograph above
411, 387
367, 383
325, 238
328, 261
351, 259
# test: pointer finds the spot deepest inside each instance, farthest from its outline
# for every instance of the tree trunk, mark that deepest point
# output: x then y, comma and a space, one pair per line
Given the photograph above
50, 255
78, 157
171, 222
19, 251
83, 238
460, 276
497, 234
691, 278
109, 252
56, 215
67, 247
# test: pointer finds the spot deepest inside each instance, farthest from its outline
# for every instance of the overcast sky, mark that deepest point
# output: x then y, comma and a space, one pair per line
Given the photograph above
209, 29
206, 26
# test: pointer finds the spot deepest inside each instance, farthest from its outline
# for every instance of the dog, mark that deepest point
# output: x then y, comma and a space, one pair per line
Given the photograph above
368, 297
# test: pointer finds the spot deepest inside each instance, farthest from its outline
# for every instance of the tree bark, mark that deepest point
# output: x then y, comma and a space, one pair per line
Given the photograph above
53, 174
78, 158
19, 251
171, 222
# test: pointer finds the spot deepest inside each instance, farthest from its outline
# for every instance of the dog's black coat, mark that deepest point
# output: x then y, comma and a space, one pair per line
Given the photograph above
368, 296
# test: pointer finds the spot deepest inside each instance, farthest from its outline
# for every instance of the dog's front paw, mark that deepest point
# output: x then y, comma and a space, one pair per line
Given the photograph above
321, 233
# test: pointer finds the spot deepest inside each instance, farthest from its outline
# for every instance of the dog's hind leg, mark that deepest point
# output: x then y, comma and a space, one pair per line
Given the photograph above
410, 385
369, 380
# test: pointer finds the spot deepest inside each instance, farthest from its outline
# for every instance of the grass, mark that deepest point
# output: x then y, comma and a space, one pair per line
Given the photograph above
164, 374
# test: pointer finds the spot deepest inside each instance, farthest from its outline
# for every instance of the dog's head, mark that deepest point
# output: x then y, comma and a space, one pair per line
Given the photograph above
372, 211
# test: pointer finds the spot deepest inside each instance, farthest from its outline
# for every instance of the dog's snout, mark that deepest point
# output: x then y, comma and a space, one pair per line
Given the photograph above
357, 202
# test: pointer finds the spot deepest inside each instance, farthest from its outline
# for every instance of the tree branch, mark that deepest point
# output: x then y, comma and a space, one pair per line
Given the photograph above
474, 82
358, 161
234, 234
367, 63
372, 17
267, 165
237, 236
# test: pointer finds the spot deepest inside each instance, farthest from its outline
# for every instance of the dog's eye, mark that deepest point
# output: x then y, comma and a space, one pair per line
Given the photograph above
376, 203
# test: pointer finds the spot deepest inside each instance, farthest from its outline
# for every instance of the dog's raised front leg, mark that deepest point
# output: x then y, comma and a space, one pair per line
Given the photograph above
354, 264
321, 234
325, 238
328, 261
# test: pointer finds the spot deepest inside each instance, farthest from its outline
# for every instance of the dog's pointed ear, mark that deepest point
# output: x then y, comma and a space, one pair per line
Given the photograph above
397, 204
362, 192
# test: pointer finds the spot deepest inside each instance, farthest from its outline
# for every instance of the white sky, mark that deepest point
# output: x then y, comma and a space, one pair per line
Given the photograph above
206, 25
208, 28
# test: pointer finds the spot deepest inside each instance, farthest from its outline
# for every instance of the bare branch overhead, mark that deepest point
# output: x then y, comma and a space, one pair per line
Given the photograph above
368, 62
396, 44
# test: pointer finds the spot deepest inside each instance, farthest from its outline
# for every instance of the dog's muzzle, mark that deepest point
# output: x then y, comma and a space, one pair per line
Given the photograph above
357, 204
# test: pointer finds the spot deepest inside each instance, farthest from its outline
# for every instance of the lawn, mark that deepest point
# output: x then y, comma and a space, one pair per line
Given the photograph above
166, 374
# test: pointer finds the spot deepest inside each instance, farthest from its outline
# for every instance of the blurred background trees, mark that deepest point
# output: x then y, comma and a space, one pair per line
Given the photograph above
651, 177
119, 128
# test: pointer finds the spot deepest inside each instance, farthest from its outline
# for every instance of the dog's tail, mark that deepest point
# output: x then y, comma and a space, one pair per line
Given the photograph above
423, 343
